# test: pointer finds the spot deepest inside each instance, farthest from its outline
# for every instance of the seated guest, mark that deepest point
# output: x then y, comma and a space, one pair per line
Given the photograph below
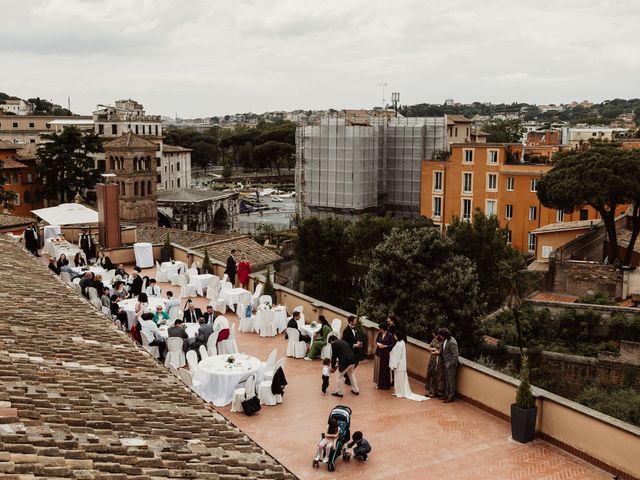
105, 299
120, 271
149, 329
293, 323
62, 261
210, 315
120, 291
85, 282
142, 305
160, 316
78, 260
192, 313
107, 265
153, 290
221, 325
204, 332
135, 284
97, 284
118, 312
171, 302
53, 266
178, 331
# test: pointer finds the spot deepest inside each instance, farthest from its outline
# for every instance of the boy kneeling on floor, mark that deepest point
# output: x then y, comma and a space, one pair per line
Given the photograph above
362, 447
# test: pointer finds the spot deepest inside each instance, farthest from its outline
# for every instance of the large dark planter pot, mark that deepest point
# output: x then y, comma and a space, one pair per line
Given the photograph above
165, 254
523, 423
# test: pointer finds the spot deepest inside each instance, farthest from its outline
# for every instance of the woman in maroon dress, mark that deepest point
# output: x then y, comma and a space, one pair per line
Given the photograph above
384, 343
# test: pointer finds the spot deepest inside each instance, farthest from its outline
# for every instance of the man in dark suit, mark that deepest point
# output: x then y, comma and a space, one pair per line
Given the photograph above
192, 314
85, 242
354, 338
178, 331
232, 267
450, 357
344, 361
203, 334
31, 239
136, 284
210, 315
293, 323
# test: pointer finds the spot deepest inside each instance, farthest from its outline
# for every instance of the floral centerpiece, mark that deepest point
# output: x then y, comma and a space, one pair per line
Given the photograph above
231, 359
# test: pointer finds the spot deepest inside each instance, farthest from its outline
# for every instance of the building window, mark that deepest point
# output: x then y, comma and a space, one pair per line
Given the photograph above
178, 167
456, 132
509, 236
142, 189
136, 129
491, 208
149, 190
437, 181
508, 212
546, 251
37, 196
584, 214
158, 162
16, 199
29, 178
32, 140
467, 182
178, 183
159, 179
15, 124
165, 169
156, 130
437, 207
468, 156
492, 157
114, 129
466, 209
135, 189
533, 212
534, 184
559, 216
15, 179
492, 182
32, 125
27, 197
510, 184
100, 129
166, 185
531, 242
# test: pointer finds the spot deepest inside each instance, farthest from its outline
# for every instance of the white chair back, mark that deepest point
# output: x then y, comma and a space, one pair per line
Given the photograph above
244, 298
212, 348
301, 321
267, 328
118, 323
250, 387
336, 326
258, 291
225, 277
194, 265
203, 352
174, 313
279, 364
185, 376
175, 355
144, 284
213, 288
266, 300
299, 308
106, 311
192, 272
293, 334
154, 351
225, 285
271, 360
92, 292
192, 360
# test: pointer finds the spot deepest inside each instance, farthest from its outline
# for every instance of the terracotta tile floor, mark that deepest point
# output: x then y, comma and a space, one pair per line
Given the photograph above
410, 440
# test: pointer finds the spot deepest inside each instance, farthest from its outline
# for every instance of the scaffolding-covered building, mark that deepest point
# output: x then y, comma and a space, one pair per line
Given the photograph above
364, 164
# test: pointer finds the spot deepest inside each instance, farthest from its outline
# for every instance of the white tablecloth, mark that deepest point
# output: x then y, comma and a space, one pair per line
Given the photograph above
279, 318
55, 249
51, 231
172, 267
96, 270
144, 254
219, 379
129, 306
192, 329
231, 296
310, 330
201, 282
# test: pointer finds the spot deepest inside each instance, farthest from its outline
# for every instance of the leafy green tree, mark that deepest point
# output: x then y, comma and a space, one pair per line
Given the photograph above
273, 154
603, 177
204, 154
484, 242
504, 131
417, 275
227, 171
65, 163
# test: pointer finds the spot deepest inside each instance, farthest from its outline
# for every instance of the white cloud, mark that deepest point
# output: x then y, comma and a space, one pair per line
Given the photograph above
202, 57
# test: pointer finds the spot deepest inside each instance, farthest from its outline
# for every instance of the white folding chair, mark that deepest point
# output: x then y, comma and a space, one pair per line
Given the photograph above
225, 277
255, 298
246, 323
213, 288
174, 370
271, 360
175, 354
77, 288
212, 348
266, 300
192, 272
229, 345
187, 379
188, 290
161, 276
106, 311
203, 352
243, 393
144, 284
174, 313
266, 396
244, 298
179, 279
269, 372
295, 348
326, 350
195, 265
225, 285
336, 326
154, 351
267, 328
118, 323
192, 361
93, 297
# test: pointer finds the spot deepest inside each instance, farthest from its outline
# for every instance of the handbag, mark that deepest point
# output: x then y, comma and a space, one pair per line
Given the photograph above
251, 406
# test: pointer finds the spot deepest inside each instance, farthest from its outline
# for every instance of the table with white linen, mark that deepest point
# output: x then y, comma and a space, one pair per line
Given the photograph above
51, 231
144, 254
201, 282
311, 330
279, 318
129, 306
218, 378
172, 267
57, 248
231, 296
191, 328
96, 270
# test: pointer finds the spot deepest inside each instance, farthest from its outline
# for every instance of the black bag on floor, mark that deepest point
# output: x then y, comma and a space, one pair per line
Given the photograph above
251, 405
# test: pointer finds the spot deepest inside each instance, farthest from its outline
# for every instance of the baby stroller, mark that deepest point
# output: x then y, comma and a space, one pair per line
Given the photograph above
343, 415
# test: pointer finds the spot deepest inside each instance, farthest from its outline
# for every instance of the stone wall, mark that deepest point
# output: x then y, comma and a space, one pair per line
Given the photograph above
215, 215
585, 278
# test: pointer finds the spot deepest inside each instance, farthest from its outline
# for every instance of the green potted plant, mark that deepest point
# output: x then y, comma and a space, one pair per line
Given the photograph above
524, 411
269, 289
167, 250
206, 263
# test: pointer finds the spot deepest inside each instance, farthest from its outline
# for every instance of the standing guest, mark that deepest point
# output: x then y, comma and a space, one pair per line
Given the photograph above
384, 344
221, 325
171, 302
244, 269
85, 242
62, 261
160, 316
135, 284
78, 260
31, 239
153, 290
53, 267
232, 267
435, 371
450, 357
210, 315
354, 338
191, 314
204, 332
293, 323
344, 361
150, 331
319, 339
398, 363
105, 299
177, 330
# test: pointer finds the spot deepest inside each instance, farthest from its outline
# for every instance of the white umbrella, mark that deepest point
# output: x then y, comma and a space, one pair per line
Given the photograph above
67, 214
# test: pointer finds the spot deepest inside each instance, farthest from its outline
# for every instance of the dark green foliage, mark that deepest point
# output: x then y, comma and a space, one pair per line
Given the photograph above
524, 395
503, 131
623, 328
273, 154
167, 242
623, 404
227, 171
416, 275
65, 164
44, 107
597, 299
269, 289
206, 261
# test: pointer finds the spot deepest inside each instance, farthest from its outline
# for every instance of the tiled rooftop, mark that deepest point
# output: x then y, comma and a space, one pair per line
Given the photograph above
553, 297
257, 255
8, 220
78, 399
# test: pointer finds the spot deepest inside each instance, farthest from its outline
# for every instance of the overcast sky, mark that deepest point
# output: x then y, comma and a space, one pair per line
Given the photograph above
208, 57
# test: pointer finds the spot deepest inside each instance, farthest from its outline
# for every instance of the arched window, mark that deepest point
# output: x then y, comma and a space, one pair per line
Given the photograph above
37, 196
135, 163
177, 166
178, 183
135, 189
122, 189
142, 189
149, 191
27, 197
112, 163
121, 163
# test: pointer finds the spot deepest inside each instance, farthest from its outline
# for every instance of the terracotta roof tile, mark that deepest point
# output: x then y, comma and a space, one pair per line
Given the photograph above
8, 220
11, 163
553, 297
129, 140
79, 399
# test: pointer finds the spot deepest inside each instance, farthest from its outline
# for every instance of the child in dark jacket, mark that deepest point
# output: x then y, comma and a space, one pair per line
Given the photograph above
361, 447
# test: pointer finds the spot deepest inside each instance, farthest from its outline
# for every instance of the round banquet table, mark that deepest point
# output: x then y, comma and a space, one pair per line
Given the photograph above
311, 330
172, 267
218, 379
201, 282
129, 306
191, 328
279, 318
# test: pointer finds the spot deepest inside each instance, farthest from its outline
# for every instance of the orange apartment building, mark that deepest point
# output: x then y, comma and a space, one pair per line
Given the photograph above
19, 172
500, 180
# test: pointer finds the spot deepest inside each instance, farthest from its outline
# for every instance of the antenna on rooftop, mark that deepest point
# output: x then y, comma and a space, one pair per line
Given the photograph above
383, 85
395, 99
